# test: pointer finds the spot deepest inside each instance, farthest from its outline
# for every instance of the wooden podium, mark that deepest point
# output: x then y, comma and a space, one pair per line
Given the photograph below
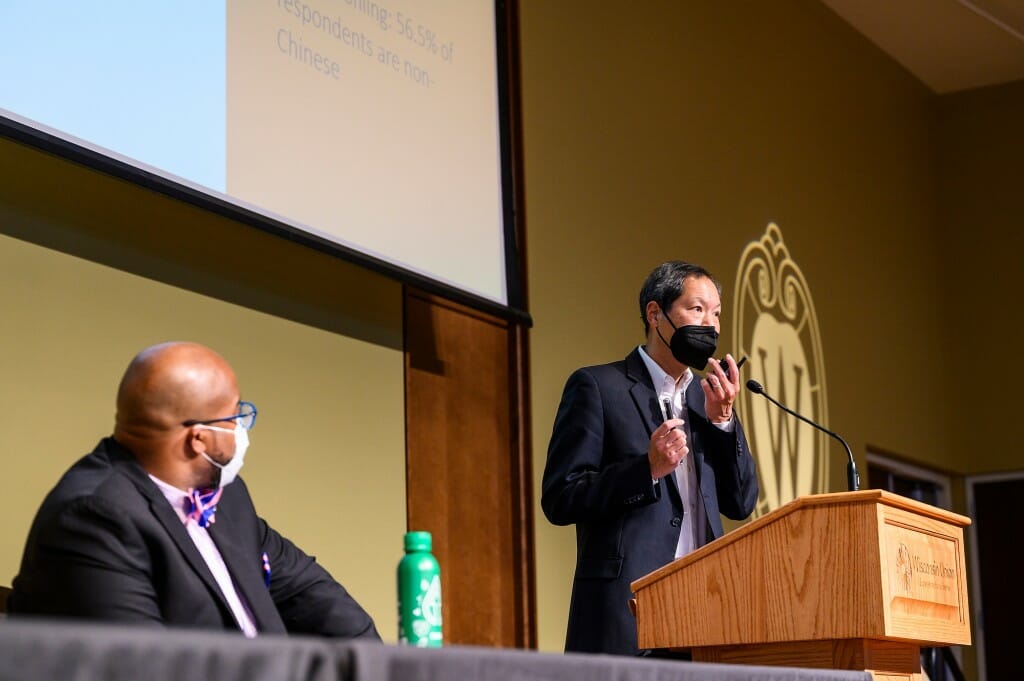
855, 580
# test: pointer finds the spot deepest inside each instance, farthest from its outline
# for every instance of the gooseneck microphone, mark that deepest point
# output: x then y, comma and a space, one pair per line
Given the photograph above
852, 479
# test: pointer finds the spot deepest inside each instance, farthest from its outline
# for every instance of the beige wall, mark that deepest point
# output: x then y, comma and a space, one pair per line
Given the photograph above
679, 130
328, 451
981, 217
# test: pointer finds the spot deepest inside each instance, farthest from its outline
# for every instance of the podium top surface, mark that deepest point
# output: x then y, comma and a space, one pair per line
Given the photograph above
868, 496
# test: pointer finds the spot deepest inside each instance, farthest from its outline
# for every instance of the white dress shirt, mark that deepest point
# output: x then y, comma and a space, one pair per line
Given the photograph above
208, 550
693, 531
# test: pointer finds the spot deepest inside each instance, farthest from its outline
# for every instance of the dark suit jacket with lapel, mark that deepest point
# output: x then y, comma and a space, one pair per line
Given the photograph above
598, 477
106, 545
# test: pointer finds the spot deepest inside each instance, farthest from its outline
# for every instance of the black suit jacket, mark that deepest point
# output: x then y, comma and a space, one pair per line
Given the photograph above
106, 545
598, 477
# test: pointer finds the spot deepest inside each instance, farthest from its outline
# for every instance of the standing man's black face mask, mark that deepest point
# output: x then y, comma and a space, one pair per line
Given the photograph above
691, 344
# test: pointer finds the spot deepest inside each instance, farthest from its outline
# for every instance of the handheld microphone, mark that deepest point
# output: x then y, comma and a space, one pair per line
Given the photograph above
852, 479
666, 406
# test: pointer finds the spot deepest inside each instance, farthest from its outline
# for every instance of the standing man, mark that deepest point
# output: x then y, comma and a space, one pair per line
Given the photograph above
645, 455
155, 527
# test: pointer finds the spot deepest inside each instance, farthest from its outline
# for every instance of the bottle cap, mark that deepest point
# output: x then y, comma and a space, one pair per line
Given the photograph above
417, 541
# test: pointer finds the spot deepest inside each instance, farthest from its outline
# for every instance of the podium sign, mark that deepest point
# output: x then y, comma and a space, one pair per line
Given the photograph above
855, 580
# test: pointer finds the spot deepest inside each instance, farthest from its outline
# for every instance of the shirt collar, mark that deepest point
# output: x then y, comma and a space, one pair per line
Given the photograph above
661, 379
175, 497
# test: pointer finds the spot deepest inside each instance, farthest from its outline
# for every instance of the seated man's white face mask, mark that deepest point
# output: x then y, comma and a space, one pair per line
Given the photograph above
229, 471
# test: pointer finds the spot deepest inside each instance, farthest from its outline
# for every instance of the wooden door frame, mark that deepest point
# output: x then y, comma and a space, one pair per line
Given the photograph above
975, 559
466, 390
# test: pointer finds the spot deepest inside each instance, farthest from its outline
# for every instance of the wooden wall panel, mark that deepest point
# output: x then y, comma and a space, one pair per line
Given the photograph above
468, 466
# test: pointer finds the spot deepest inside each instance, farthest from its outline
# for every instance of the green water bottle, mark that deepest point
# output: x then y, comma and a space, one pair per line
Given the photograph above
419, 593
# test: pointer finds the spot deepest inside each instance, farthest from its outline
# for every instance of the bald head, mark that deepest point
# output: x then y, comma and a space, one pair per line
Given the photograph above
170, 383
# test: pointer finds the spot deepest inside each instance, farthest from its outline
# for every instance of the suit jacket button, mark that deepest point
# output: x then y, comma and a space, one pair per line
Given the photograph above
677, 521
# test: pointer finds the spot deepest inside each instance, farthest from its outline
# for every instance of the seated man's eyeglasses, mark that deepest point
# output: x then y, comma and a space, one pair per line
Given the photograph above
246, 416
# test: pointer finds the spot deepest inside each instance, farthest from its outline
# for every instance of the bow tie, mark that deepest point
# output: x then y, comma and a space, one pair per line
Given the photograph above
201, 505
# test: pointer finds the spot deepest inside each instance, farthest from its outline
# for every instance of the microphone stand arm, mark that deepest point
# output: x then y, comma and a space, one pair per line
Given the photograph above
852, 477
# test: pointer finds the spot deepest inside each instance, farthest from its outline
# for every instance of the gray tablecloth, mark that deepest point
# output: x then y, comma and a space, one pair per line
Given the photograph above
362, 662
52, 651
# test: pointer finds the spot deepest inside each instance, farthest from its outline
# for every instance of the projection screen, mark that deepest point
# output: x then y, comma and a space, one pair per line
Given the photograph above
374, 128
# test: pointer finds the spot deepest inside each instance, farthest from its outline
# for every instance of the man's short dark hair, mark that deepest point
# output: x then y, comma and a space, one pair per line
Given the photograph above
665, 284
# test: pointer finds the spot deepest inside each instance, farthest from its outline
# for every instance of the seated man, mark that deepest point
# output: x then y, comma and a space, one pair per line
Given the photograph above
128, 533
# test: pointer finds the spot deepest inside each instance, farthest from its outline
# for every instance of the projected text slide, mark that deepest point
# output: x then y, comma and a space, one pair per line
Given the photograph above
374, 124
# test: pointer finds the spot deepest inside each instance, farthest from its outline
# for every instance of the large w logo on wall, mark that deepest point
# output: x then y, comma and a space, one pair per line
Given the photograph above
776, 327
